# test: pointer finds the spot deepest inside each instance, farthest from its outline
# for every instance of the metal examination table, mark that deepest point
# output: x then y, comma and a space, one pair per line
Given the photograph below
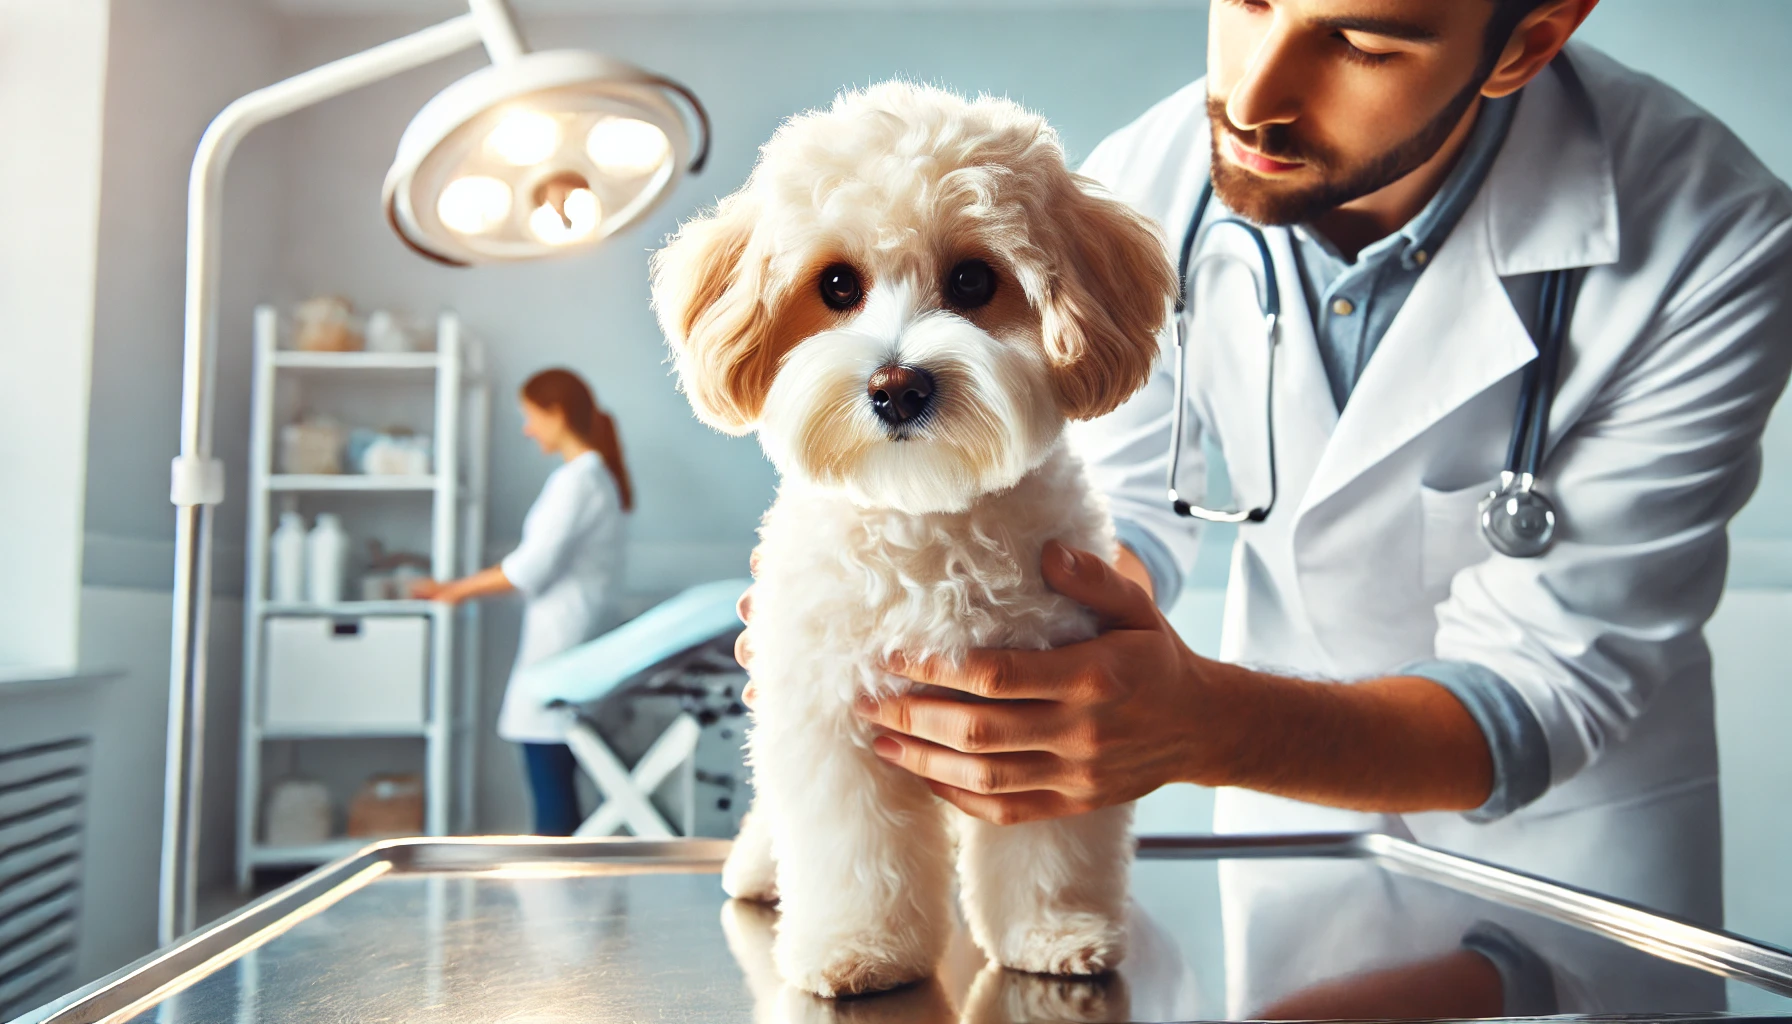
541, 931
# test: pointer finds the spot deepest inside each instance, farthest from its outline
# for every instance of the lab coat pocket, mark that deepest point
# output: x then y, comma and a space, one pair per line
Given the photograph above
1451, 536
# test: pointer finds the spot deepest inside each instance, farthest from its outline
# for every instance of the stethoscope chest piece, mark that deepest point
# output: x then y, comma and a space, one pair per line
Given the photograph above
1517, 519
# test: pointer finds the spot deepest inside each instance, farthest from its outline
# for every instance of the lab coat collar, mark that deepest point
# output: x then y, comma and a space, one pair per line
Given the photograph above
1552, 199
1457, 333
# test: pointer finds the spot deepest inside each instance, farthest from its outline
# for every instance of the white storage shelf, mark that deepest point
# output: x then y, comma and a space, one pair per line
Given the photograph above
360, 362
330, 675
305, 856
351, 482
403, 670
355, 608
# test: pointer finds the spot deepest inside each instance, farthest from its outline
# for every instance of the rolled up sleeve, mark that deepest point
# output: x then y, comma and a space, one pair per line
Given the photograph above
1647, 479
1514, 736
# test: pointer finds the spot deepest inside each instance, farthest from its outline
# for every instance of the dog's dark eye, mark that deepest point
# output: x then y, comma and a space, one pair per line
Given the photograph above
970, 284
840, 287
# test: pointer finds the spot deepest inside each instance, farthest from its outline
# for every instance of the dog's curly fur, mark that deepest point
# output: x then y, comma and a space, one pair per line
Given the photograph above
924, 539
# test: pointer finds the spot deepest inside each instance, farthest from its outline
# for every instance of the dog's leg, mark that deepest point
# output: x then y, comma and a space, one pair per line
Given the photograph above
750, 873
1048, 897
864, 870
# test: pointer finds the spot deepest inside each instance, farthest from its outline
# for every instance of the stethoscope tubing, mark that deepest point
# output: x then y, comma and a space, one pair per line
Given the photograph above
1530, 422
1269, 302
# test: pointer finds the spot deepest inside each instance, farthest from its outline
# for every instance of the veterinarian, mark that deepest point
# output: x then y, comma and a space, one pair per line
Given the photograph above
568, 568
1417, 170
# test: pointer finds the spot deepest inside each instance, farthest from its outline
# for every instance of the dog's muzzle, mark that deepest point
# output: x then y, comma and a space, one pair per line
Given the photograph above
900, 394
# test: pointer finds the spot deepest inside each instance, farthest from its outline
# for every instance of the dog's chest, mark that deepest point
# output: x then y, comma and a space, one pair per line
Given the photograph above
865, 583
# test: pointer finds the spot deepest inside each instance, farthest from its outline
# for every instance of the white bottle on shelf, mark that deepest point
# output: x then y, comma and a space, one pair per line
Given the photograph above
326, 558
288, 558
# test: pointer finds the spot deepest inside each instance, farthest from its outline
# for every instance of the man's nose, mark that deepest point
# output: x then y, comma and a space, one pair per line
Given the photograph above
1268, 90
900, 393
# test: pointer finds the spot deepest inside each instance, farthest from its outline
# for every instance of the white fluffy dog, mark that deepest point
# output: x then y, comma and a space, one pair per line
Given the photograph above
907, 301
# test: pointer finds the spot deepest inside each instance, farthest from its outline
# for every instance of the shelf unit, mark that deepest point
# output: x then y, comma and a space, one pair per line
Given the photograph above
448, 504
354, 482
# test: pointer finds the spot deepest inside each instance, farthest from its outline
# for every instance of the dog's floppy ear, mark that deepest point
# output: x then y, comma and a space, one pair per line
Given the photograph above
1106, 300
708, 295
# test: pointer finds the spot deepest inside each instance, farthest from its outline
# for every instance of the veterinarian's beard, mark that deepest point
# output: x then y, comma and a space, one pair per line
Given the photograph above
1269, 203
991, 422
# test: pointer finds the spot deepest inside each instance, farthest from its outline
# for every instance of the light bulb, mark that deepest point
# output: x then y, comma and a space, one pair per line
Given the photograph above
474, 205
565, 215
626, 147
524, 137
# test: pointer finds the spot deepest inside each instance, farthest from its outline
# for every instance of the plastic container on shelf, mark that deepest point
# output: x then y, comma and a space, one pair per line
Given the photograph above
387, 805
313, 445
326, 559
298, 813
391, 331
287, 559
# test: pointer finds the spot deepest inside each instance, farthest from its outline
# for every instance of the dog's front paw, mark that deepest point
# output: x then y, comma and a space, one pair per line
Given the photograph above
1065, 944
746, 877
750, 872
834, 966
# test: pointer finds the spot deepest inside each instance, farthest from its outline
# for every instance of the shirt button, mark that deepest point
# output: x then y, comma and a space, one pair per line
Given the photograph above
1421, 257
1342, 307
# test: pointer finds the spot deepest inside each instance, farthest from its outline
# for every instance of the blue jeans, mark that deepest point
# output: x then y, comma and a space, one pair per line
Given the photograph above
551, 771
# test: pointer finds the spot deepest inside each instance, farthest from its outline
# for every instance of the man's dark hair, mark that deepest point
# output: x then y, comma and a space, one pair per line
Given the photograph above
1506, 16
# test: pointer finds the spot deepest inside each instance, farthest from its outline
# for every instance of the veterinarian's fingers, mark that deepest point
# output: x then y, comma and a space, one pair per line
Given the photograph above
1008, 808
1000, 674
753, 564
970, 728
977, 773
1117, 601
743, 608
743, 648
748, 694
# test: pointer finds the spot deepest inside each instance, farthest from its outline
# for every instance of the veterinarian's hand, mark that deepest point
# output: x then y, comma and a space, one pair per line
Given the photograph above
743, 645
1070, 730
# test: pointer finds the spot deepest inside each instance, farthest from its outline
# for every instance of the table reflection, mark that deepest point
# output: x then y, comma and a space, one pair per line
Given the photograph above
1302, 940
1342, 938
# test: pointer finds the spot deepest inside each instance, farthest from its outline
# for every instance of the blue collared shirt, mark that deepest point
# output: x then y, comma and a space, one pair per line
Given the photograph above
1354, 302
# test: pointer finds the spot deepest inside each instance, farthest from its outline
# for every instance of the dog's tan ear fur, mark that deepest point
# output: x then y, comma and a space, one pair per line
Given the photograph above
708, 295
1106, 300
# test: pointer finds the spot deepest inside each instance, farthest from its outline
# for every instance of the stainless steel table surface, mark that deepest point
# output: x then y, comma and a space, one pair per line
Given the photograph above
540, 931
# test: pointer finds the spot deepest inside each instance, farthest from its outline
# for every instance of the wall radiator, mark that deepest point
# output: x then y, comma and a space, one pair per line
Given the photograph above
43, 798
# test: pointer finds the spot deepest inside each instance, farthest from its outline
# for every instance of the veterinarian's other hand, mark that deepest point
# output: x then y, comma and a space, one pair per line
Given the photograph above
1071, 729
743, 644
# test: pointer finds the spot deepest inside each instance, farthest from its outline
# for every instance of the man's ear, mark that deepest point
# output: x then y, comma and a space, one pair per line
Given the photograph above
1534, 42
708, 295
1107, 298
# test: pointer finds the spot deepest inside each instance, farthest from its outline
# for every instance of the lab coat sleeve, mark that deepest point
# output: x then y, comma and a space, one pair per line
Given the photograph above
562, 514
1127, 453
1647, 478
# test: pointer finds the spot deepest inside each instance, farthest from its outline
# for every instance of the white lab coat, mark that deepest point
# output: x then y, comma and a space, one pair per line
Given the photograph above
569, 570
1372, 559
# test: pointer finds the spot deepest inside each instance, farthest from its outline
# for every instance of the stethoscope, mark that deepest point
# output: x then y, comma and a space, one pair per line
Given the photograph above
1517, 519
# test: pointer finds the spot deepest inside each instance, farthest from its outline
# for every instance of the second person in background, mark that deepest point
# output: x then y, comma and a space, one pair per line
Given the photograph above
568, 568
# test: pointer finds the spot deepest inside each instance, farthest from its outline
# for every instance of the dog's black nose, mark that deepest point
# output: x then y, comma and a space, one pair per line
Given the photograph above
900, 393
